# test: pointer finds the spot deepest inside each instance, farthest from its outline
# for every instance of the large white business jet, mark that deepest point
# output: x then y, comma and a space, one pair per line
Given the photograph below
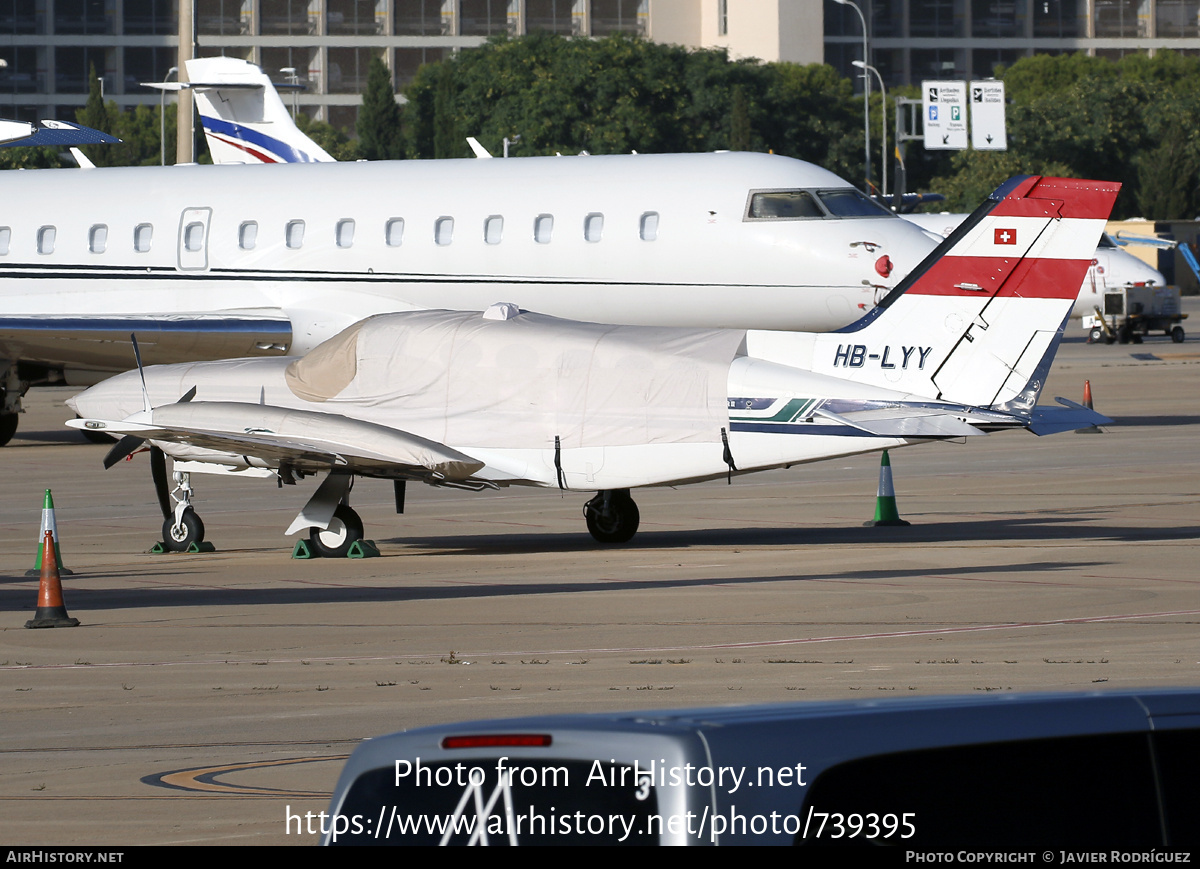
212, 262
961, 348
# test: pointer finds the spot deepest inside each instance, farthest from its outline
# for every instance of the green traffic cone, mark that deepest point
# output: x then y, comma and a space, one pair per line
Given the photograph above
48, 524
885, 505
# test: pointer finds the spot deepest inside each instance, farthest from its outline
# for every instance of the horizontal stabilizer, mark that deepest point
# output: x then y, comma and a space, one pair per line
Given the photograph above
301, 439
1071, 416
901, 422
59, 134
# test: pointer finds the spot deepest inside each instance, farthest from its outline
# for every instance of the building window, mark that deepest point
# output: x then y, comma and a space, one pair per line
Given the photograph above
98, 238
143, 235
393, 232
345, 232
722, 17
45, 239
248, 235
648, 227
593, 227
443, 230
295, 234
493, 229
543, 228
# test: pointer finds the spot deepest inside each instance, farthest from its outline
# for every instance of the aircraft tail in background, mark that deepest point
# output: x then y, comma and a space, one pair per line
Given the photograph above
244, 119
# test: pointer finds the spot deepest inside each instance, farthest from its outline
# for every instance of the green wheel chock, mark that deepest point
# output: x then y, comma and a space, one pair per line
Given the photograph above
363, 549
302, 550
158, 549
201, 547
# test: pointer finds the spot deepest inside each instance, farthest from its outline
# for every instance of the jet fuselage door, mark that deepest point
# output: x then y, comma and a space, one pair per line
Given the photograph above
193, 239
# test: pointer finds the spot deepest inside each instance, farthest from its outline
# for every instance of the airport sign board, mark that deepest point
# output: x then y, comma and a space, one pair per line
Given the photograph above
987, 116
945, 113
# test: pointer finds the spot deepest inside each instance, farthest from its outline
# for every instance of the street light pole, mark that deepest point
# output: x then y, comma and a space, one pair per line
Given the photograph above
162, 118
866, 93
884, 153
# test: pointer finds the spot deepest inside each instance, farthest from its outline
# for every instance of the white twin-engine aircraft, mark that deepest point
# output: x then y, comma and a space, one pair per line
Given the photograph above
512, 397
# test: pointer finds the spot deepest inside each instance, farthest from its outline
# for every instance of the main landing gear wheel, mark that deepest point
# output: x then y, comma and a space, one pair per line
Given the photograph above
335, 541
612, 517
189, 530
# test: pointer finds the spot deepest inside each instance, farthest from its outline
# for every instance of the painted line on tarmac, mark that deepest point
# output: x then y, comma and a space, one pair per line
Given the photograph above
797, 641
206, 779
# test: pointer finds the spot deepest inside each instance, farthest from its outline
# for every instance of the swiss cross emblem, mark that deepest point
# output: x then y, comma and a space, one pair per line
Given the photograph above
1006, 236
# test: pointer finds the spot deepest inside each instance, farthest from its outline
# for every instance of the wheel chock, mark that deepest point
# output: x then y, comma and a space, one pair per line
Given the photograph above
160, 548
363, 549
204, 546
303, 550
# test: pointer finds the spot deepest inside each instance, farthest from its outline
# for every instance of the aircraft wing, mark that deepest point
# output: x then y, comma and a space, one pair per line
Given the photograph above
302, 440
101, 342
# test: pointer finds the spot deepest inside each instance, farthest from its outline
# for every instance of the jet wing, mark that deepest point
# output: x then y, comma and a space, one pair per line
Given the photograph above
302, 440
101, 342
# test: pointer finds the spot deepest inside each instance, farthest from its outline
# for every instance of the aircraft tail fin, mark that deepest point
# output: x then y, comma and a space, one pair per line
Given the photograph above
244, 119
979, 320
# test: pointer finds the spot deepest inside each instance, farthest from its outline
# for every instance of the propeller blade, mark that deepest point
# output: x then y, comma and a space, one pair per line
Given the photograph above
122, 448
158, 470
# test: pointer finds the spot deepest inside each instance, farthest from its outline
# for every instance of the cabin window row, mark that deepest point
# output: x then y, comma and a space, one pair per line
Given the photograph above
443, 233
97, 238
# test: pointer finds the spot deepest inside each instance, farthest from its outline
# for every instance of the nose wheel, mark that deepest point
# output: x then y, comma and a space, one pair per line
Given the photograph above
612, 516
335, 541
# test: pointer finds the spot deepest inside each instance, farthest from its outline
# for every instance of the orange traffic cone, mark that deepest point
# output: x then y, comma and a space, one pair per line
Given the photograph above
51, 611
1087, 402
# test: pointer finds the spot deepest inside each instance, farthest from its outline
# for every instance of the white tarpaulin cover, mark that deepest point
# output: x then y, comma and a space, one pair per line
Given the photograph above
460, 379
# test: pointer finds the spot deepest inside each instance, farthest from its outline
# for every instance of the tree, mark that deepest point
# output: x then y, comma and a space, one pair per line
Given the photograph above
380, 128
99, 116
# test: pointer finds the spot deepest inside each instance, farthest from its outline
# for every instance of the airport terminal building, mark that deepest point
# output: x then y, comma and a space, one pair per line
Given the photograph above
49, 45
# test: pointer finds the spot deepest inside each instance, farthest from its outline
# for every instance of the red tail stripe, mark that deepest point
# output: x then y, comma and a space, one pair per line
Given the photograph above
1028, 278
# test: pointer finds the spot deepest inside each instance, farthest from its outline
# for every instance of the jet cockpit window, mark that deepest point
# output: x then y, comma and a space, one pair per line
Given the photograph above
849, 202
295, 234
45, 239
543, 228
98, 238
248, 235
345, 232
393, 232
143, 235
5, 239
493, 229
648, 226
782, 205
193, 237
443, 230
1106, 241
593, 227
